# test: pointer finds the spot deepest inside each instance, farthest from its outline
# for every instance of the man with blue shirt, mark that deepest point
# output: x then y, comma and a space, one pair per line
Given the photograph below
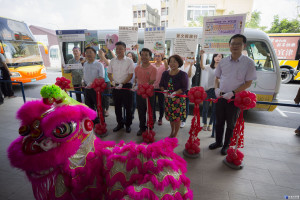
92, 69
234, 74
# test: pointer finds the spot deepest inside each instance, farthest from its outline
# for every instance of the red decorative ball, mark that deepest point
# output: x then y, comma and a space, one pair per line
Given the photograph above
99, 85
145, 90
197, 95
63, 83
245, 100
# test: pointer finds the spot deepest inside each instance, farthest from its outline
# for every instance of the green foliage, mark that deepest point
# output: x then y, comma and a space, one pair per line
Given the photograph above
255, 21
284, 26
197, 23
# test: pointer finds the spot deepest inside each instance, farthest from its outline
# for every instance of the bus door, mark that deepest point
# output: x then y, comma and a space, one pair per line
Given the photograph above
267, 77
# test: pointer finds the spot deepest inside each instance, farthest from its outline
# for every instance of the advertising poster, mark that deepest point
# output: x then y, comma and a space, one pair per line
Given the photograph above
217, 31
285, 47
129, 35
91, 38
155, 39
185, 45
69, 36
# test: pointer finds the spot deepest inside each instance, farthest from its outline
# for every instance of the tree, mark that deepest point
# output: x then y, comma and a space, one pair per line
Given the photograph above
197, 23
255, 21
284, 26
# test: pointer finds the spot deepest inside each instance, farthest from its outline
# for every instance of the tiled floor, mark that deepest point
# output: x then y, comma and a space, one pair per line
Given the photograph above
271, 171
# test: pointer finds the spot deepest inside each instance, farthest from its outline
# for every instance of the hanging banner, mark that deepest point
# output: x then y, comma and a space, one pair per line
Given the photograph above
129, 35
155, 39
217, 30
185, 45
91, 39
69, 36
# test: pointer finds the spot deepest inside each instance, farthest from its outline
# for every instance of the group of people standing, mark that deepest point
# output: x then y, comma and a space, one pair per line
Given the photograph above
171, 79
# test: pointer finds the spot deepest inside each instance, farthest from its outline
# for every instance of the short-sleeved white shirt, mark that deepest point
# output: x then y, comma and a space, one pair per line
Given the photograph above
233, 74
186, 70
120, 68
210, 73
92, 71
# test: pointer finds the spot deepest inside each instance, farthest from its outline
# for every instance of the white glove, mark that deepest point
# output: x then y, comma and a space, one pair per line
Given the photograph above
135, 88
119, 86
88, 86
166, 94
217, 92
172, 95
228, 95
113, 83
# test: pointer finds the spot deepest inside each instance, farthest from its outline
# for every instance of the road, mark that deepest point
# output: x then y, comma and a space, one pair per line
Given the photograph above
281, 116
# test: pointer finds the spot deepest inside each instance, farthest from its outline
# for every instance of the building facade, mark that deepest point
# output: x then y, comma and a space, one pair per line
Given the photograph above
181, 13
145, 16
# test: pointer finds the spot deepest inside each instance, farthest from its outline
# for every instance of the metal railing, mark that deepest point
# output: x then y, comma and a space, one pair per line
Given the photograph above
18, 82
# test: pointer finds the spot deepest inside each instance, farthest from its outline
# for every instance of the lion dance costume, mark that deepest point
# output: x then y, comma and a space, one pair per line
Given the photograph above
63, 159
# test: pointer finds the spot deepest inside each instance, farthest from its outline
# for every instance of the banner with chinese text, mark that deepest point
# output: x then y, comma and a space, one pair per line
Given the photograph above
155, 39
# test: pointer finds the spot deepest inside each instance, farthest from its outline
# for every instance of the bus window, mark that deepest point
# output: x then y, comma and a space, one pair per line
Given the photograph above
54, 53
260, 53
20, 53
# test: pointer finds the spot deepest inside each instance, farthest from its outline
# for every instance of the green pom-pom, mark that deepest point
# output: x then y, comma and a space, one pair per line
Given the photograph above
51, 91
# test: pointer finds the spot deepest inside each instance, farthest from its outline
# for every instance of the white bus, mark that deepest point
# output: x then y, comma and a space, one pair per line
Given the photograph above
259, 48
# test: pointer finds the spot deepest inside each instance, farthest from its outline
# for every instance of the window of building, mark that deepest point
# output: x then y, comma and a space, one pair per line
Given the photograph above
139, 14
195, 11
139, 25
144, 24
143, 13
164, 11
134, 24
164, 23
134, 14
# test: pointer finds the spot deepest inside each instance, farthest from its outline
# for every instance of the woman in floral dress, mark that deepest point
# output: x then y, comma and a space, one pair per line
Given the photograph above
175, 82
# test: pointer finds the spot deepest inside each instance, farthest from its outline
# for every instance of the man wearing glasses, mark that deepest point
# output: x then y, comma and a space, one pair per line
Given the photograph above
234, 74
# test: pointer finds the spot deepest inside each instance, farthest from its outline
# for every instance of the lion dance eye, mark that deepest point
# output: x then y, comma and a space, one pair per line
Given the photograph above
64, 130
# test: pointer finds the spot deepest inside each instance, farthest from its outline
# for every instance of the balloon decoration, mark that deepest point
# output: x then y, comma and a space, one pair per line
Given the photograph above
63, 83
192, 147
147, 91
110, 41
99, 86
243, 100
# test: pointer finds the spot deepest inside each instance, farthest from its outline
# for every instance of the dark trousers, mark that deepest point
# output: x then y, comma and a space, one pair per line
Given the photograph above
1, 96
161, 104
123, 97
91, 101
78, 95
6, 87
210, 94
142, 110
105, 97
225, 112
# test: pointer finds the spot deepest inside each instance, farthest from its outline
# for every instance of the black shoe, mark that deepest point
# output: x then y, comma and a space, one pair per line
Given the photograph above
140, 132
128, 129
117, 128
224, 150
214, 146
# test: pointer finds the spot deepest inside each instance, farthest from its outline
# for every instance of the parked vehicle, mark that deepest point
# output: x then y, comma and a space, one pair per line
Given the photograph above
287, 49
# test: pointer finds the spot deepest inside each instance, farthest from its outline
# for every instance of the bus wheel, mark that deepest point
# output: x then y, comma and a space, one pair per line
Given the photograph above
286, 76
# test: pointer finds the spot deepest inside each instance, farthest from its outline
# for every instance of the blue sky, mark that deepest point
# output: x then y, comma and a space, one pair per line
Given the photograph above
103, 14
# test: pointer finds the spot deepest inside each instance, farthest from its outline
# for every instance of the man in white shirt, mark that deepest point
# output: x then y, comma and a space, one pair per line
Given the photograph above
92, 69
120, 72
234, 74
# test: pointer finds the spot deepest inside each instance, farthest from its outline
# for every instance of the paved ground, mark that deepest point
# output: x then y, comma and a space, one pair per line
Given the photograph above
272, 164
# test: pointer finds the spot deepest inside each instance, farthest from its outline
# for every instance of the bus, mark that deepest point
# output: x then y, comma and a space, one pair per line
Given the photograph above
259, 48
287, 49
21, 51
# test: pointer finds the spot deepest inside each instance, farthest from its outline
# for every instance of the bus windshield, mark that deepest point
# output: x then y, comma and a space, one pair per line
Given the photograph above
21, 53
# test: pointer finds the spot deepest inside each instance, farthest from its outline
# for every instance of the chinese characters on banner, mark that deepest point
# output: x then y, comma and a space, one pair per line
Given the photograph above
91, 38
69, 36
185, 45
129, 35
285, 47
217, 30
155, 39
